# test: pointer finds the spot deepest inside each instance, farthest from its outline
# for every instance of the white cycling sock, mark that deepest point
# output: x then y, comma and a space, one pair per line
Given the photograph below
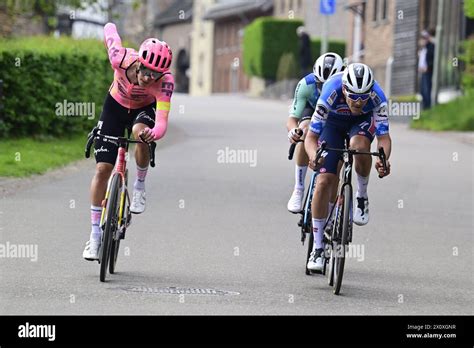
95, 221
318, 232
300, 174
362, 183
140, 180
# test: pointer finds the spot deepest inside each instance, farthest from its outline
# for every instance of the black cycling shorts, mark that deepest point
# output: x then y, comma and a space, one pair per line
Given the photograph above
308, 111
113, 121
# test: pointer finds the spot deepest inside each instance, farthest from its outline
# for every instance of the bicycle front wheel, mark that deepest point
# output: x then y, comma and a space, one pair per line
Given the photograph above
111, 220
116, 236
340, 250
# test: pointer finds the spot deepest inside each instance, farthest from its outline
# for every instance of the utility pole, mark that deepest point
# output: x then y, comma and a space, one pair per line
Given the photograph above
437, 58
326, 8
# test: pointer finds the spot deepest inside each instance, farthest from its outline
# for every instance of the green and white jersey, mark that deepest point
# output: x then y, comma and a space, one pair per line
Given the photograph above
306, 95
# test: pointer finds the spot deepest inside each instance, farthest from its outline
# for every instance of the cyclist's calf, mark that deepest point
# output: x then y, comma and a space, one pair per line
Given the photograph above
142, 154
322, 193
103, 171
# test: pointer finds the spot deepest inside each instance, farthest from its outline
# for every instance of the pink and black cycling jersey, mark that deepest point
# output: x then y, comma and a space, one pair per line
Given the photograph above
129, 95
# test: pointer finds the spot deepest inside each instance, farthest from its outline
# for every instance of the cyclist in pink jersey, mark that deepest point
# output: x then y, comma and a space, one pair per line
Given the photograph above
138, 100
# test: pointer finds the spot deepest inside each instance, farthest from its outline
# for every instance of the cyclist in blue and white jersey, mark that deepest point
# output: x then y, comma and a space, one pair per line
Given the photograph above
351, 103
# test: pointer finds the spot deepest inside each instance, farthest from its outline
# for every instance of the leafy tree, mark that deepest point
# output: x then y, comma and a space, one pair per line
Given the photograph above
42, 10
469, 8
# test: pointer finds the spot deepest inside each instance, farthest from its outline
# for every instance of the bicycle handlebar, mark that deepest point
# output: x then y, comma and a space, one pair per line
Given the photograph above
94, 134
380, 154
293, 146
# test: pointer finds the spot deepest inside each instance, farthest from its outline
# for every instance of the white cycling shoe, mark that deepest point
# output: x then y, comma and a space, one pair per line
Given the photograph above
361, 216
138, 202
295, 202
91, 252
316, 260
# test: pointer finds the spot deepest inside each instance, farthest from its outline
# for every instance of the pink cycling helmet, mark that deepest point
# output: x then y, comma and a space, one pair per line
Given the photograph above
155, 55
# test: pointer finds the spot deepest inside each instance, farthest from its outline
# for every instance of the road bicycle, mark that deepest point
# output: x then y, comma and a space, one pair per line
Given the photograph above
116, 216
338, 235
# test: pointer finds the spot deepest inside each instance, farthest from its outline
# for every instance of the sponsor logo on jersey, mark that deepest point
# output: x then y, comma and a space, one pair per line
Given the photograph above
144, 115
332, 97
121, 87
376, 99
343, 111
167, 88
296, 96
382, 112
321, 110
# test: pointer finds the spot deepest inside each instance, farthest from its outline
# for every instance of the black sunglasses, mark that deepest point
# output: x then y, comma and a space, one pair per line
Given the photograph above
149, 73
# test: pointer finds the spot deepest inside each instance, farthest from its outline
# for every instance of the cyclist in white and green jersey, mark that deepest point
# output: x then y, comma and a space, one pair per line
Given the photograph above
306, 95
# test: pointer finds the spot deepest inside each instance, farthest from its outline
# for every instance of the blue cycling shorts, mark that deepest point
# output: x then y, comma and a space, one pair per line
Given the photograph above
335, 131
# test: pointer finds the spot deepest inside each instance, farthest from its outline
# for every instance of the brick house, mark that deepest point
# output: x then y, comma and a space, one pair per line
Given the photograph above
174, 25
230, 18
388, 32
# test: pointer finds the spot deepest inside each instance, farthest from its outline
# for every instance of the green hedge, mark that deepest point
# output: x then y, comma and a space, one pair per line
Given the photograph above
336, 46
40, 72
454, 115
469, 8
468, 73
267, 39
287, 67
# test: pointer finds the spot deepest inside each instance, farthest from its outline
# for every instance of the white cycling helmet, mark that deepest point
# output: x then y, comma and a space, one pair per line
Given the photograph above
327, 65
358, 78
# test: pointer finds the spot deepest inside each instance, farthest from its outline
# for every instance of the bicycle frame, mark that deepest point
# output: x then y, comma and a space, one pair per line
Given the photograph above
309, 199
120, 168
344, 180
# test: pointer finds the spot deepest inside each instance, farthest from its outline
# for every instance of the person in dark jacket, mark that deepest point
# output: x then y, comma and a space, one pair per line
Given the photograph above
425, 66
306, 60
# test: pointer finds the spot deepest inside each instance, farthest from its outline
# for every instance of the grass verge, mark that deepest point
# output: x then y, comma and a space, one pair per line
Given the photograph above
457, 115
24, 157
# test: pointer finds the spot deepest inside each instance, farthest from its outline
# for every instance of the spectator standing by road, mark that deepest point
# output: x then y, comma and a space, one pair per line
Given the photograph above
306, 61
425, 66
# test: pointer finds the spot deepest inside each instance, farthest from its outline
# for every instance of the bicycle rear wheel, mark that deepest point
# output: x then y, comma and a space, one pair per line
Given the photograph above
111, 219
340, 250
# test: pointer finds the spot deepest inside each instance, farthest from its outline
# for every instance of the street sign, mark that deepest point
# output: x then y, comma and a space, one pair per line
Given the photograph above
327, 7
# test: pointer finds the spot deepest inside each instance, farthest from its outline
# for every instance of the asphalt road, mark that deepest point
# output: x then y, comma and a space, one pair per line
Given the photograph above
224, 226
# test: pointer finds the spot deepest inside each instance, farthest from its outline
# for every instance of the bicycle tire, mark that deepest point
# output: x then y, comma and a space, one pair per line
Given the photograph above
114, 253
333, 245
310, 244
341, 256
110, 224
116, 241
331, 268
